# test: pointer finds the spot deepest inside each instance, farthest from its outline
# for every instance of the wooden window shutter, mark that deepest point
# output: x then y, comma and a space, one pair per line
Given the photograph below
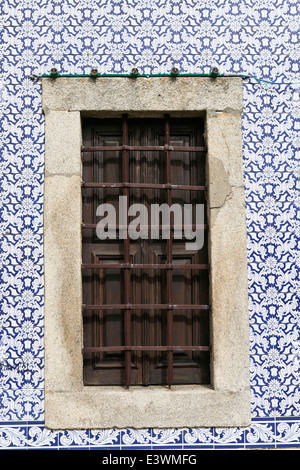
145, 301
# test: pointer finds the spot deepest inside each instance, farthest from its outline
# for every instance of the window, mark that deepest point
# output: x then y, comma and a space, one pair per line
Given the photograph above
146, 300
223, 400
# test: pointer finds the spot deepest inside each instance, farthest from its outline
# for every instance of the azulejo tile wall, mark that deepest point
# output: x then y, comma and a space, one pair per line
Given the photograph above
252, 37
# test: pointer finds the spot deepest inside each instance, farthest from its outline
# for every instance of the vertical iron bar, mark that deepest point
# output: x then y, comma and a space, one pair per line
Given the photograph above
169, 258
127, 319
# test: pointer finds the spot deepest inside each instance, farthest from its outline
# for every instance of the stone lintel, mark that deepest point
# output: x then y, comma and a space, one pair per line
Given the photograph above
143, 95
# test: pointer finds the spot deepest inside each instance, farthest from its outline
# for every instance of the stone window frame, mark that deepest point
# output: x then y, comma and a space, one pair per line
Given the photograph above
68, 403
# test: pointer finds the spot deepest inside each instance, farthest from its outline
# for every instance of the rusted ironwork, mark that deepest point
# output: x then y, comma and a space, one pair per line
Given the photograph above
145, 348
143, 185
145, 266
125, 163
168, 226
169, 256
128, 307
139, 148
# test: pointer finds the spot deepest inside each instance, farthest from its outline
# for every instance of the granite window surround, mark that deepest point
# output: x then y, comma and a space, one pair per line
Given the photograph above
68, 403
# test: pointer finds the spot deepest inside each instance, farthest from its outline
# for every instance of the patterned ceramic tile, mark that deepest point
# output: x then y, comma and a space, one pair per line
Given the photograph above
131, 438
259, 38
287, 432
261, 434
13, 435
198, 438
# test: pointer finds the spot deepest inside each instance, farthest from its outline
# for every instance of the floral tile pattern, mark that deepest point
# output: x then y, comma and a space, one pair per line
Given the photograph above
248, 37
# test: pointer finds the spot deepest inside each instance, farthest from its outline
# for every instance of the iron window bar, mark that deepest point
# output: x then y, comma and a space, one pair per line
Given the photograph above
143, 185
145, 348
127, 325
169, 226
145, 266
127, 307
138, 148
145, 307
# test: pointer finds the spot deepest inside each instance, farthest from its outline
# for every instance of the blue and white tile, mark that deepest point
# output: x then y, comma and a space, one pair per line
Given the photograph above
21, 357
73, 439
261, 434
13, 435
196, 438
131, 438
281, 156
38, 437
249, 37
171, 437
229, 438
287, 432
13, 407
107, 439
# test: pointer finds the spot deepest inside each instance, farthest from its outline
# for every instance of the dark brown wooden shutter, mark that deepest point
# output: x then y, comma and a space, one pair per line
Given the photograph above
145, 324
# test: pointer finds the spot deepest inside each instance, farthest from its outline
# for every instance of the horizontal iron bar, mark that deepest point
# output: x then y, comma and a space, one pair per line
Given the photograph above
145, 307
144, 266
187, 187
172, 227
145, 348
138, 148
